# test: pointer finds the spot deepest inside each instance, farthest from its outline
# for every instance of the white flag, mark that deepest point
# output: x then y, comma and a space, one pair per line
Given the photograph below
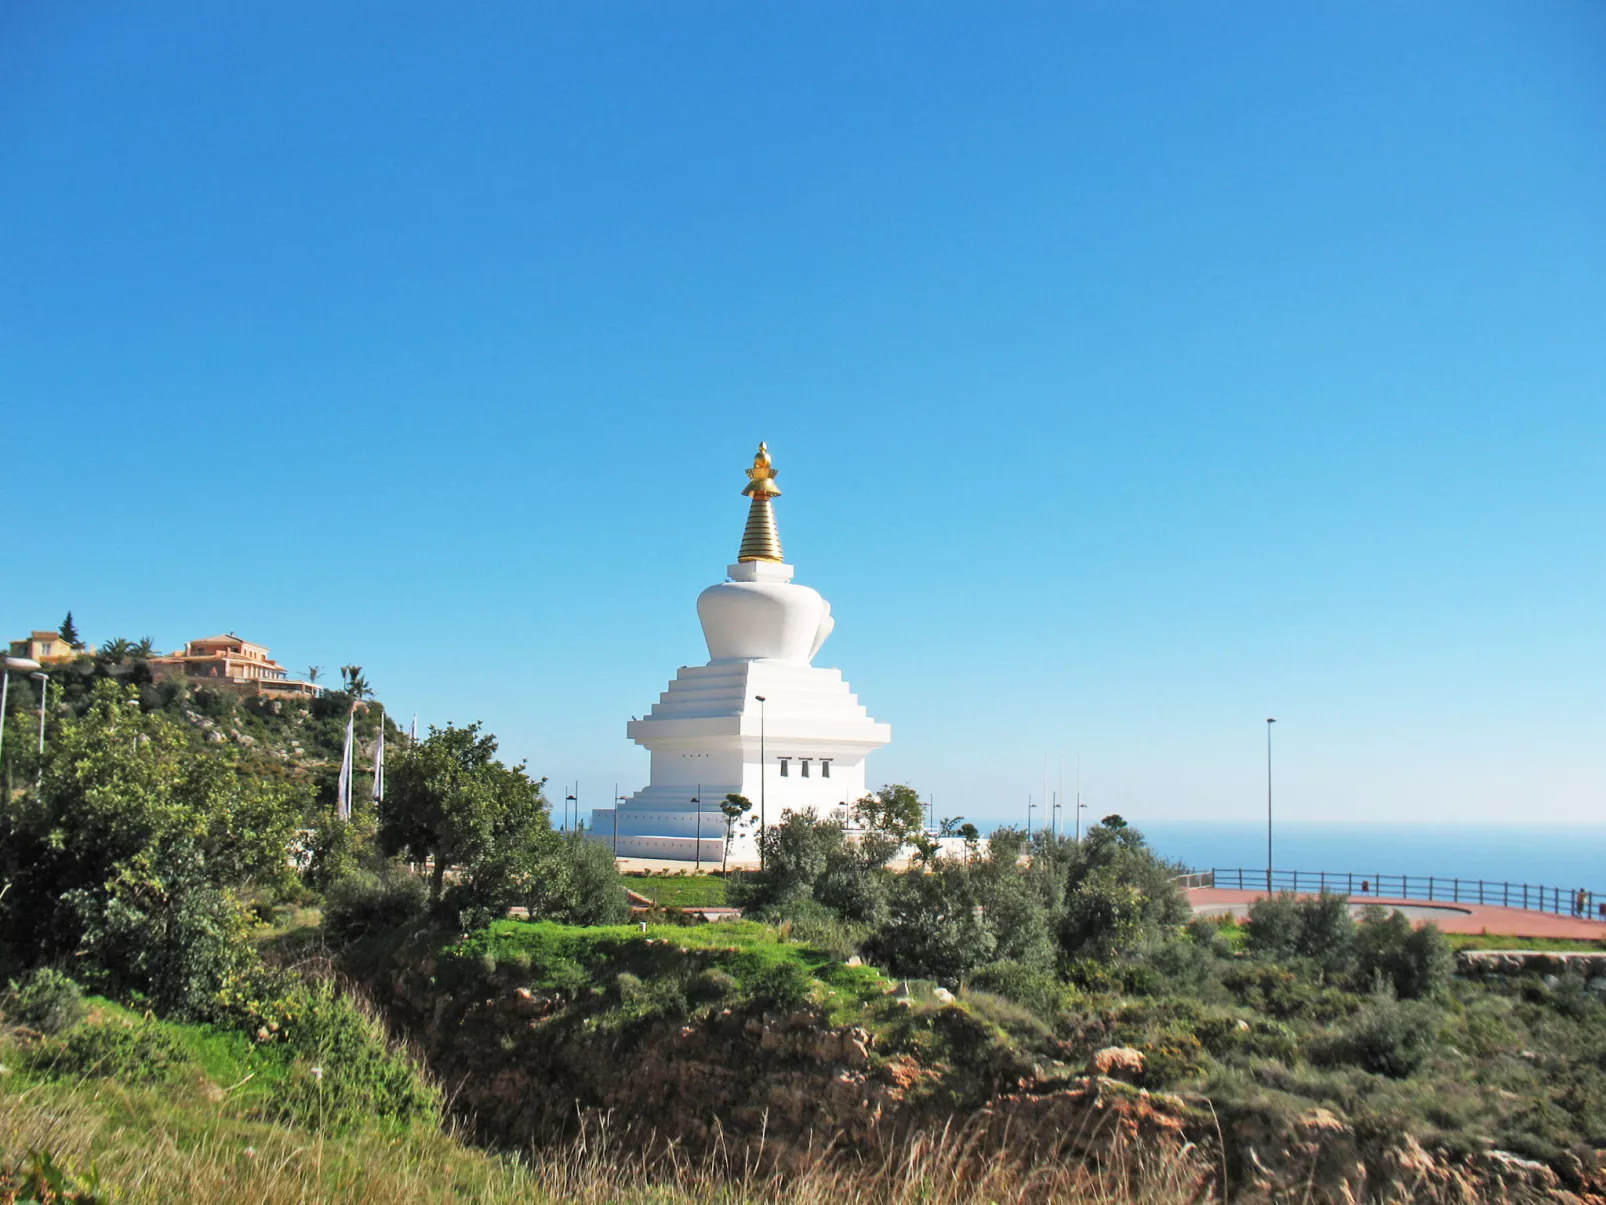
379, 761
343, 789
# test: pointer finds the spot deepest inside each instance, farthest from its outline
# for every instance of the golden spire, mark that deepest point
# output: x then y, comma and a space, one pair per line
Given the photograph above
760, 540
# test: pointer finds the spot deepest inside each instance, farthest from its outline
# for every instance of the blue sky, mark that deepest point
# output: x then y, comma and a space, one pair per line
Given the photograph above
1133, 372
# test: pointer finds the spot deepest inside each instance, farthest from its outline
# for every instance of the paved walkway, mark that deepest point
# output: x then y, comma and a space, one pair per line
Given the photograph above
1452, 918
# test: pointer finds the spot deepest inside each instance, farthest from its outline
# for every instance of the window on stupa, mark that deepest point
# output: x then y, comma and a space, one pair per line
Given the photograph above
804, 762
825, 767
785, 772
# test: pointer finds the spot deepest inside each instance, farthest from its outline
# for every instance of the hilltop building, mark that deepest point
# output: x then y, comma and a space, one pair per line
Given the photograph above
234, 662
759, 719
47, 648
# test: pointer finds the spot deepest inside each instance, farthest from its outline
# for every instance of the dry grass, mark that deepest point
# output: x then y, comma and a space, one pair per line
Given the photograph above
178, 1144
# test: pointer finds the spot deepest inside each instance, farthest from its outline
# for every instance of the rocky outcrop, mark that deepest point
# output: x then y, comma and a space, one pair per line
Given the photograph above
1591, 964
524, 1065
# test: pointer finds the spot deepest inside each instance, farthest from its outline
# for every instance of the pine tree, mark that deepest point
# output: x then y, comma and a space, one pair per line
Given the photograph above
69, 632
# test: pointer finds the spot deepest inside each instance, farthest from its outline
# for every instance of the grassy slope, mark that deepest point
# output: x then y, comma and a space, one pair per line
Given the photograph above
196, 1137
680, 891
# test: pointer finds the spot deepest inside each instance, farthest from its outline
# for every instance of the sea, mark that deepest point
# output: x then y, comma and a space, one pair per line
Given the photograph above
1565, 856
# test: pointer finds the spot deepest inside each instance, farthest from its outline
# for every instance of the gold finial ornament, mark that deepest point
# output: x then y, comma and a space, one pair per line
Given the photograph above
760, 540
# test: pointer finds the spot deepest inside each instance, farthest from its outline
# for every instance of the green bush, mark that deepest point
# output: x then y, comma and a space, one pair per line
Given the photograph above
1119, 894
813, 924
161, 928
344, 1067
1031, 986
1272, 930
1387, 1037
1319, 929
782, 984
46, 1000
366, 901
933, 928
577, 883
1414, 963
143, 1052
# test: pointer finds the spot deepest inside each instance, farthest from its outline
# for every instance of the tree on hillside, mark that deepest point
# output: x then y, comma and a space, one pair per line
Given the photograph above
734, 807
1118, 892
69, 632
313, 671
449, 799
355, 684
131, 849
144, 650
116, 651
891, 817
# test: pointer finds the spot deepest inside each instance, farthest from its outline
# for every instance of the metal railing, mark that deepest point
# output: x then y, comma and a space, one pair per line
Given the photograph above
1360, 886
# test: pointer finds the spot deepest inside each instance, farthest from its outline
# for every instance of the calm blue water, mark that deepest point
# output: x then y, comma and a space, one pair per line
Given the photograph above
1552, 855
1555, 856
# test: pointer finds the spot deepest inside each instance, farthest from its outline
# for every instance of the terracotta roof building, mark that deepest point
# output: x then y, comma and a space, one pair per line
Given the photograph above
229, 659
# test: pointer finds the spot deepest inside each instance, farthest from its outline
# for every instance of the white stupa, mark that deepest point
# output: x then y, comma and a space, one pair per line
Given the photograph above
758, 720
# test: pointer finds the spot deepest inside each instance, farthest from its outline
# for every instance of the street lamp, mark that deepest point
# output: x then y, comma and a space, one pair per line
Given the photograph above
1269, 722
698, 800
44, 693
20, 664
763, 766
616, 798
567, 800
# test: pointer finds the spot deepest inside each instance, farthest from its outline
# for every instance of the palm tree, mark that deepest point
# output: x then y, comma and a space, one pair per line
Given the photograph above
144, 650
356, 685
115, 652
313, 671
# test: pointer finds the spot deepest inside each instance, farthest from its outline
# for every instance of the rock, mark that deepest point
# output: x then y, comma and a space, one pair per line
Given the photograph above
1117, 1062
1506, 1168
854, 961
942, 995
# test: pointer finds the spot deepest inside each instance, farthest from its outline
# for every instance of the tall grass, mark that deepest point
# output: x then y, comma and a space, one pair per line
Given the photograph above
176, 1144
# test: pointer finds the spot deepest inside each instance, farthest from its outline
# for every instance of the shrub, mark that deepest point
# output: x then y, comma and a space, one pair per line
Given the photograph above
578, 883
1118, 894
158, 926
1388, 1037
815, 925
783, 984
1031, 986
933, 929
46, 1000
1414, 963
365, 902
345, 1068
140, 1053
1273, 928
1320, 929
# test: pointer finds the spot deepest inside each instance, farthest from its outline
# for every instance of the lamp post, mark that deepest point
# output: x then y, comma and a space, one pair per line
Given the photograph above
44, 693
567, 800
616, 821
1269, 722
21, 664
1079, 804
763, 767
1028, 817
698, 800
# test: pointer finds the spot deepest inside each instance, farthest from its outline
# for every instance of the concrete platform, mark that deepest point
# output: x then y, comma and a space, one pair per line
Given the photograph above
1452, 918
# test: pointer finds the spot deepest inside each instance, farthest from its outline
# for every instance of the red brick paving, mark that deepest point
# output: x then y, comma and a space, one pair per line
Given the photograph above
1452, 918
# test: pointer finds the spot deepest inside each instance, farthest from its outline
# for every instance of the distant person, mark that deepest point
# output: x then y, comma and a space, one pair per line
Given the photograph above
1581, 903
1366, 885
